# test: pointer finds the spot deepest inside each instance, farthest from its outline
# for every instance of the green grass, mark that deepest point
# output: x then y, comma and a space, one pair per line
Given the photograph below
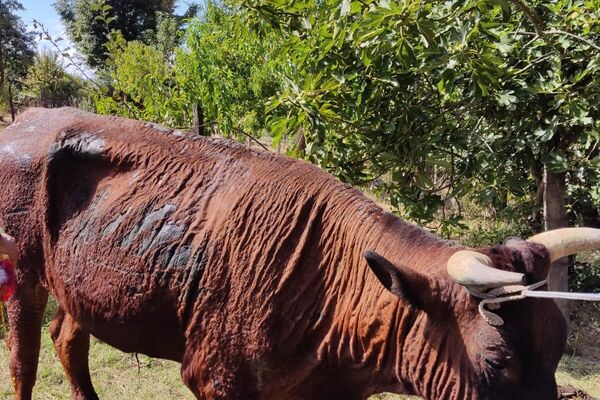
114, 373
116, 376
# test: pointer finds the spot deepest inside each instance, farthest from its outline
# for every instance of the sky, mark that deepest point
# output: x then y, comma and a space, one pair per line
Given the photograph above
44, 12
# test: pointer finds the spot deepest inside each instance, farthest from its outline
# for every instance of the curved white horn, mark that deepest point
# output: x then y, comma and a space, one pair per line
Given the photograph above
566, 241
471, 268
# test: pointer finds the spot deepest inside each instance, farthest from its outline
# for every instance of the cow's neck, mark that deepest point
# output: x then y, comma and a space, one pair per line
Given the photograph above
377, 338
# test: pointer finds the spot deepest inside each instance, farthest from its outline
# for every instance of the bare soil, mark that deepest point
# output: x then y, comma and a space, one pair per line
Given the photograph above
569, 392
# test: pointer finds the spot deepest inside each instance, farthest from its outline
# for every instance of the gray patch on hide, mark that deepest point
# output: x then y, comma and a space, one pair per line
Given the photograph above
168, 232
191, 285
165, 130
174, 257
85, 143
149, 220
86, 231
10, 150
181, 257
159, 128
114, 225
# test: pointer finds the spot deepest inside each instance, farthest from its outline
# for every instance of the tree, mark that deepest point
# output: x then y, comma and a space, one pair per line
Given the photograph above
445, 99
142, 85
48, 84
229, 68
135, 19
223, 76
491, 100
168, 34
16, 50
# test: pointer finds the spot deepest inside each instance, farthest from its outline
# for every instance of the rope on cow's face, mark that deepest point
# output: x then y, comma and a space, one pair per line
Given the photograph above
494, 297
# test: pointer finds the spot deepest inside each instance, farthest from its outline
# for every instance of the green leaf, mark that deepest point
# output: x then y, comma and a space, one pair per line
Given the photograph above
546, 132
506, 98
506, 10
327, 112
556, 162
426, 28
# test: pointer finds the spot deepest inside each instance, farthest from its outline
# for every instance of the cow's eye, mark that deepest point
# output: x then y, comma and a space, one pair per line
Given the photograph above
494, 364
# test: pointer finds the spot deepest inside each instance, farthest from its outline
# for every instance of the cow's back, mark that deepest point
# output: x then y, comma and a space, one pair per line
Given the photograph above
147, 229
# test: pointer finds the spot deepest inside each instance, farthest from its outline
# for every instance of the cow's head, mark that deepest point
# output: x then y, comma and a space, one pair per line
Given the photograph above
464, 356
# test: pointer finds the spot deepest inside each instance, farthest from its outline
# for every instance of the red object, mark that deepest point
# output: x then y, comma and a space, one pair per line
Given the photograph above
8, 280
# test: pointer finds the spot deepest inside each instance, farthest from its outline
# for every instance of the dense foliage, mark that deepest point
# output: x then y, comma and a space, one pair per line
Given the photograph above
442, 98
428, 103
16, 51
225, 69
48, 84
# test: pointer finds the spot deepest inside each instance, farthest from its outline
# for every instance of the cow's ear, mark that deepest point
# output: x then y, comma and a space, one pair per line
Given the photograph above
401, 281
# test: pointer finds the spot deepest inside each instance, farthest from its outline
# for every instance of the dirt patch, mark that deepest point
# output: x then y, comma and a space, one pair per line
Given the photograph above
569, 392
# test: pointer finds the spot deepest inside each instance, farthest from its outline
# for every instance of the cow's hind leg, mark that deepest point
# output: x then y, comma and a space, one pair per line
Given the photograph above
25, 311
72, 344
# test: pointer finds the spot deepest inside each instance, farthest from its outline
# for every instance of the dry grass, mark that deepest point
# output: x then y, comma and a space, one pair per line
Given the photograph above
117, 375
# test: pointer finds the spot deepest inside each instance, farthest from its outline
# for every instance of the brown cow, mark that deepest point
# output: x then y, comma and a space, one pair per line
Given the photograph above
248, 269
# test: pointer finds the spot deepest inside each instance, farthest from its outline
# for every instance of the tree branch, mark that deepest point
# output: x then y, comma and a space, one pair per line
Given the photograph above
580, 38
535, 19
560, 32
48, 37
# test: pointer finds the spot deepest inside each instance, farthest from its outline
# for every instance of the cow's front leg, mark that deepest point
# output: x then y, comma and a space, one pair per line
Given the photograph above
25, 311
72, 345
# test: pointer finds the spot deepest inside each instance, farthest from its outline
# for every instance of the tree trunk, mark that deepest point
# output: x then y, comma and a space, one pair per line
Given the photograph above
555, 216
198, 120
300, 143
537, 171
2, 75
11, 104
2, 68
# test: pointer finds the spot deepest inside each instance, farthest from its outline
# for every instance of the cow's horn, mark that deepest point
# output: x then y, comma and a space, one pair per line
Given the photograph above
566, 241
470, 268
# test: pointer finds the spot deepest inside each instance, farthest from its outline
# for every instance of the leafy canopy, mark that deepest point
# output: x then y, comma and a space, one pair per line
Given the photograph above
49, 84
225, 68
135, 19
441, 99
